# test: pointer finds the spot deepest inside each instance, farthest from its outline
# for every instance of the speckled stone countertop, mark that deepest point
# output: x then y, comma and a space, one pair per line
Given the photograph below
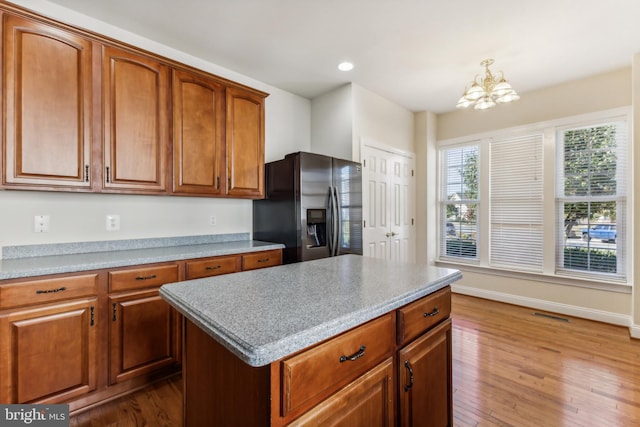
123, 253
264, 315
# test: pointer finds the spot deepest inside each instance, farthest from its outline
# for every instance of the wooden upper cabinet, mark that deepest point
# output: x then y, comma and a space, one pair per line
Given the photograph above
198, 134
135, 91
47, 98
245, 144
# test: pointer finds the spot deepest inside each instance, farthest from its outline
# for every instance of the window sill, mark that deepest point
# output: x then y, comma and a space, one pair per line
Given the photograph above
590, 283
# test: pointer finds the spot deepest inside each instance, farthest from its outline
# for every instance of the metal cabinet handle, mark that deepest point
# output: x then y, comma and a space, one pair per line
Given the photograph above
50, 291
214, 267
263, 260
153, 276
115, 312
407, 365
354, 356
433, 313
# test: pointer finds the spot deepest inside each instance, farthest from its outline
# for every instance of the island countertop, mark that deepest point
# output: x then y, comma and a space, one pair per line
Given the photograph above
264, 315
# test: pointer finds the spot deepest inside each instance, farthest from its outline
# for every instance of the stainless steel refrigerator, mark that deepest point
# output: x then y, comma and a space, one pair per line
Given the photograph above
312, 205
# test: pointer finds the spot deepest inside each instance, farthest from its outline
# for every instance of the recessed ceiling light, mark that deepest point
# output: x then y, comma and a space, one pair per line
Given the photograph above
345, 66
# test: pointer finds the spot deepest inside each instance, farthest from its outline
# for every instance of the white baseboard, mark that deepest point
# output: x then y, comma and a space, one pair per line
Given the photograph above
554, 307
634, 330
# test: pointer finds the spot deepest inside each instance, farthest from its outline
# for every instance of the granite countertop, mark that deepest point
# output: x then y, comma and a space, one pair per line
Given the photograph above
99, 255
264, 315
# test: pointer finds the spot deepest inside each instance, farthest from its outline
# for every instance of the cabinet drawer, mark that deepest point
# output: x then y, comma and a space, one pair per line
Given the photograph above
212, 267
420, 315
124, 280
47, 290
311, 376
262, 259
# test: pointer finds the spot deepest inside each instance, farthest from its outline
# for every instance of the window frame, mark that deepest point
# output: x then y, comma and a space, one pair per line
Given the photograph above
549, 273
621, 201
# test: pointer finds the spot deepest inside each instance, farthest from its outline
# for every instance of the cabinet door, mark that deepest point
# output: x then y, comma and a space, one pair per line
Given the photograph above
136, 124
198, 132
47, 99
368, 401
48, 354
245, 144
424, 379
141, 335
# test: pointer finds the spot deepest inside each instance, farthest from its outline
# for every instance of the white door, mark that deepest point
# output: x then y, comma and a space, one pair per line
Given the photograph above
388, 204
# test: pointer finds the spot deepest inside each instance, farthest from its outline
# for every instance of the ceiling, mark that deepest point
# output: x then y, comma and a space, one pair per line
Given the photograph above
419, 54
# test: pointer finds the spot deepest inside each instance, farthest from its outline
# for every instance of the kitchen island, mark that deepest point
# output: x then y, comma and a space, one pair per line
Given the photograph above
305, 342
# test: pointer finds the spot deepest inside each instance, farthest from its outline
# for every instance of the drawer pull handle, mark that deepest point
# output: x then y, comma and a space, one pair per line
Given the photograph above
214, 267
263, 260
354, 356
435, 312
407, 365
153, 276
51, 291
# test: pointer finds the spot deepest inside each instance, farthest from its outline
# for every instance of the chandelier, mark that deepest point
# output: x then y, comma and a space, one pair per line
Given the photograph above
488, 92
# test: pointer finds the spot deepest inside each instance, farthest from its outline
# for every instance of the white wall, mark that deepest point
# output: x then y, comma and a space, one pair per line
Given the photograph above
80, 217
597, 93
332, 123
382, 121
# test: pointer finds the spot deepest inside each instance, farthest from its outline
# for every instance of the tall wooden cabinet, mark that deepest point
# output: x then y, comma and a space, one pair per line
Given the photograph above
198, 134
135, 91
245, 144
47, 100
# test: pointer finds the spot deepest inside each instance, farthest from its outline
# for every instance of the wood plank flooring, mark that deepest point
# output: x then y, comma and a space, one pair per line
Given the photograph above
514, 368
511, 367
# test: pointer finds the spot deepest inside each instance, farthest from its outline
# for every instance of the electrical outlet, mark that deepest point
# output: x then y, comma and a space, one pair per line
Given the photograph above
41, 223
113, 222
212, 220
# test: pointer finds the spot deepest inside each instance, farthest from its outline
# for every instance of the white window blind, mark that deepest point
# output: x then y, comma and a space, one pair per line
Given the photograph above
516, 209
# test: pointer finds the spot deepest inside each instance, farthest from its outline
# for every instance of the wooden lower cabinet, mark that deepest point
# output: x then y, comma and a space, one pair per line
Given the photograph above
48, 352
368, 401
374, 387
424, 373
142, 335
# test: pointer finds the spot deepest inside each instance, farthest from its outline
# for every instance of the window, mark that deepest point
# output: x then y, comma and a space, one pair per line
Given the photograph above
459, 203
592, 199
548, 199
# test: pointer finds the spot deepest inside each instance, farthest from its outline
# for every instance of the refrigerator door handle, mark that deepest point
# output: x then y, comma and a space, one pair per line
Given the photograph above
331, 224
338, 229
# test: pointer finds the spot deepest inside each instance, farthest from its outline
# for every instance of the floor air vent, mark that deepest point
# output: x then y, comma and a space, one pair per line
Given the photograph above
551, 316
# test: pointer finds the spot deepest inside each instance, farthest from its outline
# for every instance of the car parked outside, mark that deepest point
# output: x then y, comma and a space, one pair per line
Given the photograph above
451, 229
604, 232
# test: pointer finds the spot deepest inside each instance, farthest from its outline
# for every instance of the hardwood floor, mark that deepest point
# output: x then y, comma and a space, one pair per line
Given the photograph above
514, 368
158, 405
511, 367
